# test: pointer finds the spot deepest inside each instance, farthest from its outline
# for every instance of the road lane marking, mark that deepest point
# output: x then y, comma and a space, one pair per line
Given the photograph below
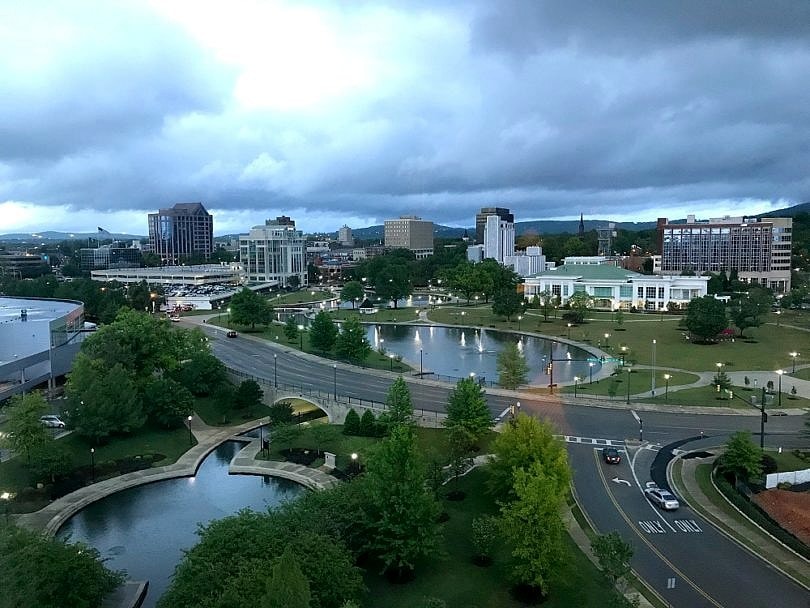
635, 415
688, 526
633, 471
613, 443
619, 480
671, 583
643, 538
652, 527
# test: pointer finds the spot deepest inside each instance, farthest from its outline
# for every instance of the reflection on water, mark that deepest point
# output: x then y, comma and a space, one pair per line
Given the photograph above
144, 530
456, 351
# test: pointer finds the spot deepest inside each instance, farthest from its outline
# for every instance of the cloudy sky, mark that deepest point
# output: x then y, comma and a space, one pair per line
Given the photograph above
356, 111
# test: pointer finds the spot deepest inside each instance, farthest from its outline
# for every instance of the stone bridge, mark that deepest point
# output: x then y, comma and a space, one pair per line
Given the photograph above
335, 409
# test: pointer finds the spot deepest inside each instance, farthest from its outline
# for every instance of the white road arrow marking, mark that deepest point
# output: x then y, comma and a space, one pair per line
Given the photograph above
617, 480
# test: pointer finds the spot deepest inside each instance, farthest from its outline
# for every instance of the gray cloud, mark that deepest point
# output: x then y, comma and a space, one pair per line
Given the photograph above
551, 107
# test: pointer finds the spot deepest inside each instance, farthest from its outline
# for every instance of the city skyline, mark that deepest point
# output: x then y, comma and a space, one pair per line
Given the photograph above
355, 113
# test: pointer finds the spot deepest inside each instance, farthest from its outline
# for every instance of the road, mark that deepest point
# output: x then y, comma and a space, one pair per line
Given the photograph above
684, 558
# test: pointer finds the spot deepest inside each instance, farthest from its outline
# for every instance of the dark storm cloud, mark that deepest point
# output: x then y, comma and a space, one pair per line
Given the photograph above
552, 108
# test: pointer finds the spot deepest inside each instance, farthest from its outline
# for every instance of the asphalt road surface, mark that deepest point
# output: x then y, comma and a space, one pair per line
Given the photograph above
683, 557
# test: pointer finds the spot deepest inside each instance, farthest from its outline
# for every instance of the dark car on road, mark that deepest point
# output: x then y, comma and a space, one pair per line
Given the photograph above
231, 334
611, 455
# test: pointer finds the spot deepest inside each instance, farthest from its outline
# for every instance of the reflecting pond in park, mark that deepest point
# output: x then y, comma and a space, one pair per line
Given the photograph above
457, 352
145, 529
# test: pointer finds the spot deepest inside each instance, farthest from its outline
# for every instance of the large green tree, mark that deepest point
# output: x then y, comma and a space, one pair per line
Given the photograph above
323, 332
467, 408
399, 510
201, 373
705, 317
249, 308
351, 292
25, 431
41, 572
351, 343
468, 279
750, 309
166, 402
522, 443
512, 367
507, 302
533, 525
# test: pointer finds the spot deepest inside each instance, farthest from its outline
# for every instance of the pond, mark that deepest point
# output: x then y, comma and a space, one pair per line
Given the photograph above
456, 352
145, 529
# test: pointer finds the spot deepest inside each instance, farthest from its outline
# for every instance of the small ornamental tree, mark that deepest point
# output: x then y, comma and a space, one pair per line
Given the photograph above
512, 367
351, 426
281, 413
742, 457
351, 343
483, 535
399, 410
368, 424
291, 329
286, 587
613, 555
25, 431
323, 332
722, 380
248, 394
467, 408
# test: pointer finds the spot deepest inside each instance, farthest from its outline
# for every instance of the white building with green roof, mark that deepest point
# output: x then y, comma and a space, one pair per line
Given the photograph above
612, 288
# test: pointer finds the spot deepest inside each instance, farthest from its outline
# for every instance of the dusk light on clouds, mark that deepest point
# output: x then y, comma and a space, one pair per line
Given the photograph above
354, 112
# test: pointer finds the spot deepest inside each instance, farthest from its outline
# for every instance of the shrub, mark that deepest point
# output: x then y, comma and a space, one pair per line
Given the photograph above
368, 424
351, 426
769, 464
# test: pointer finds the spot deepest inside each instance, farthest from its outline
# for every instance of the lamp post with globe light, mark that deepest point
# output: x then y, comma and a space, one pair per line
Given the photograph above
666, 391
793, 355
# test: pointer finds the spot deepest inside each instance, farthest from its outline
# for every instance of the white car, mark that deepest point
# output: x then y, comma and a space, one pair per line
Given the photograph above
52, 422
664, 499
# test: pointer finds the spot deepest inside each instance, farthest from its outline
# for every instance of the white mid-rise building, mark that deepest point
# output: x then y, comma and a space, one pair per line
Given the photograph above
274, 252
526, 264
345, 237
499, 238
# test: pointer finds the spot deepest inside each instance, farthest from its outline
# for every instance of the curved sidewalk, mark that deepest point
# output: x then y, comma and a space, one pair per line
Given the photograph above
245, 462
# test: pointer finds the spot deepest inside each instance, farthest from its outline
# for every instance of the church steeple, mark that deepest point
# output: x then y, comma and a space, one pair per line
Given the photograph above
581, 225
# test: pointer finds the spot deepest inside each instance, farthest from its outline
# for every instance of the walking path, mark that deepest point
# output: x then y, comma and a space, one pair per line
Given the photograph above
246, 462
757, 541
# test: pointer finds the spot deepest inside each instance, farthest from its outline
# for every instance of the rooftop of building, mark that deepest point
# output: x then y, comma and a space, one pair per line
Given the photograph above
590, 272
36, 309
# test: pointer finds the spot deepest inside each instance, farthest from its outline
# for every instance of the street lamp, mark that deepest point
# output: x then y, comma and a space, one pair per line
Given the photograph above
334, 369
666, 379
93, 464
6, 498
576, 383
190, 436
590, 372
569, 331
520, 318
624, 352
275, 370
794, 354
391, 358
421, 372
652, 381
628, 384
607, 337
514, 410
229, 318
779, 372
300, 337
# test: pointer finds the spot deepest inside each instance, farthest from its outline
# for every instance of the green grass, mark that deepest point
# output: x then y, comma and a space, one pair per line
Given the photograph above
803, 374
213, 414
640, 381
768, 350
385, 315
457, 581
707, 396
301, 297
171, 444
788, 461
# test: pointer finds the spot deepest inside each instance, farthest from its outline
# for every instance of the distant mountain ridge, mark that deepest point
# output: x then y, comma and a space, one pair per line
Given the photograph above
53, 235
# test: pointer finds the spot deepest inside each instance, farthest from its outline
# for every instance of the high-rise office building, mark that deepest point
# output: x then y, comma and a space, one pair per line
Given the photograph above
345, 237
184, 230
410, 232
499, 238
481, 220
759, 249
274, 252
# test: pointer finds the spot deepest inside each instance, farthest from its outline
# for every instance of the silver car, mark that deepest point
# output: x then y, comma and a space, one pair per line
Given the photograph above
52, 422
664, 499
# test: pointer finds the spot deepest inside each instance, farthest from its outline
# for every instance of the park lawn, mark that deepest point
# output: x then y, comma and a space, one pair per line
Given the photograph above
767, 350
788, 461
456, 580
303, 296
708, 396
384, 315
171, 444
640, 381
802, 374
211, 412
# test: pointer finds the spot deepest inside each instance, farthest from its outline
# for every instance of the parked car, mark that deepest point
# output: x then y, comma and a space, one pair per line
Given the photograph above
231, 334
662, 498
52, 422
611, 455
